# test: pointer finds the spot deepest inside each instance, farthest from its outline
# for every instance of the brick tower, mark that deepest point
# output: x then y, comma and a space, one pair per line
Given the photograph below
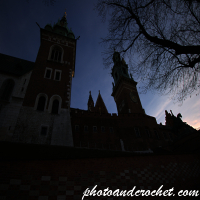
45, 112
124, 88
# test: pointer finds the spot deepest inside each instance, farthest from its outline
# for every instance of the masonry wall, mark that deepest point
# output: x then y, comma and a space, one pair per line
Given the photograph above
68, 178
9, 110
30, 121
123, 129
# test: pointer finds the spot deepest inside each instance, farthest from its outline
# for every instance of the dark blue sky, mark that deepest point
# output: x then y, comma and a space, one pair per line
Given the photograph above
20, 37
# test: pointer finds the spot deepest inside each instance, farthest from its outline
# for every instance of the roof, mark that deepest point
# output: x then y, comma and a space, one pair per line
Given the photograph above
15, 66
100, 106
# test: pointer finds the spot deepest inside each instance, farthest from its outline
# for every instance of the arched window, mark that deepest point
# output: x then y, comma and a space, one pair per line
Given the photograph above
56, 54
55, 106
6, 89
41, 103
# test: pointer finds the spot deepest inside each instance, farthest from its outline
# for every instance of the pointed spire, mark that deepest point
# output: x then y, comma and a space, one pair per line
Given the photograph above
100, 106
90, 102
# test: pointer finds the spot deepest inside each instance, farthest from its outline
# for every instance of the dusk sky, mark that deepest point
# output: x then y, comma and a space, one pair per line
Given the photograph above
20, 37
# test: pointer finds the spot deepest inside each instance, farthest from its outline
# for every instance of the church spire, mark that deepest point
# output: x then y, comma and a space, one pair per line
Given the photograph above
90, 103
100, 106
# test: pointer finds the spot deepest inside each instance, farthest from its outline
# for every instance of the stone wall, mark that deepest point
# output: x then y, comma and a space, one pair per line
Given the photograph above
29, 124
9, 110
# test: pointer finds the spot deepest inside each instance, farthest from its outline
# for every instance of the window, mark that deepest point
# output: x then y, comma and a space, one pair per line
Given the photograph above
55, 103
55, 107
103, 129
76, 128
44, 130
41, 103
57, 75
48, 73
111, 129
56, 54
137, 132
6, 89
94, 129
86, 128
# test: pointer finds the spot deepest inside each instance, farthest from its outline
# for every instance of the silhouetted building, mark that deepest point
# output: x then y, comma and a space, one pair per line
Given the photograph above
35, 103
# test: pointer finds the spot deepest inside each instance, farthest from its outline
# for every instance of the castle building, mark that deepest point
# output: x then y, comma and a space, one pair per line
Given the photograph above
35, 103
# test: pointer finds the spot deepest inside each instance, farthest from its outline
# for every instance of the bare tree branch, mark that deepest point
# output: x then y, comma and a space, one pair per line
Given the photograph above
164, 36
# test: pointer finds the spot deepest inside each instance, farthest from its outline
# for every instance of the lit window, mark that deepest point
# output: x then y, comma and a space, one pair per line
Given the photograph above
48, 73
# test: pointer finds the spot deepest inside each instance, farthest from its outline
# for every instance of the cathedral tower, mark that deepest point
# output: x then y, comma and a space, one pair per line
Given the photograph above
124, 88
47, 101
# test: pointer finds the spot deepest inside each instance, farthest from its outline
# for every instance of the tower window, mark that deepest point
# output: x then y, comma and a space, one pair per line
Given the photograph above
41, 103
57, 75
55, 107
6, 89
56, 54
48, 73
43, 130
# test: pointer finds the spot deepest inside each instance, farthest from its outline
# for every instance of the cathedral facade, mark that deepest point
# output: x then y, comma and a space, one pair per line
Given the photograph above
35, 103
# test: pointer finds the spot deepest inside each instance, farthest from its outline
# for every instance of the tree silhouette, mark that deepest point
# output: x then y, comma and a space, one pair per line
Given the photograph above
162, 36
